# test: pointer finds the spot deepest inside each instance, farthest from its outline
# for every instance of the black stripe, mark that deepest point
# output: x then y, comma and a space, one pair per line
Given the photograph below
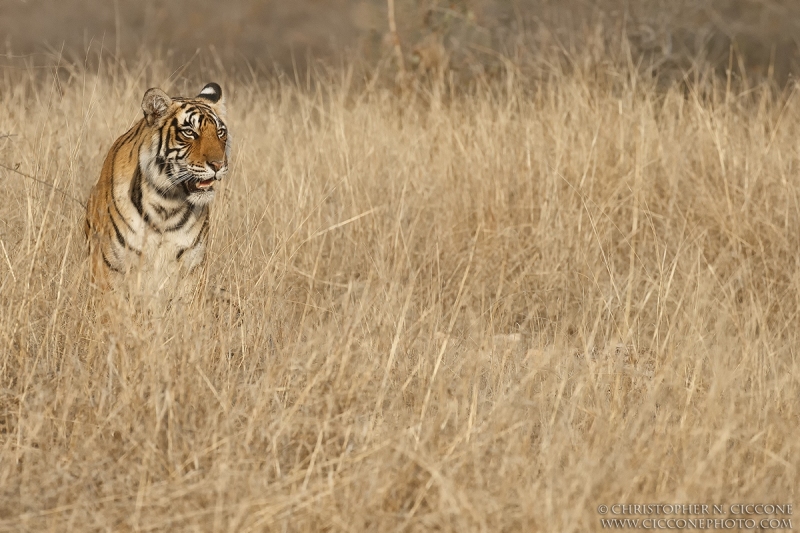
203, 230
161, 163
172, 193
130, 133
113, 198
108, 263
170, 133
162, 134
182, 221
136, 191
134, 148
200, 234
116, 208
165, 213
176, 145
120, 238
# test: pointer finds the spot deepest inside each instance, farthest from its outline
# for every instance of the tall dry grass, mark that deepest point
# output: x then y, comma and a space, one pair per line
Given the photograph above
485, 312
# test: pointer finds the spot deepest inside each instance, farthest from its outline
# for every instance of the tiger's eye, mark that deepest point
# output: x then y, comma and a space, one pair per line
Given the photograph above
188, 133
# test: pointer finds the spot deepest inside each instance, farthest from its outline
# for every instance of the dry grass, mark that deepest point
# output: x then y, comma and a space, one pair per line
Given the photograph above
487, 313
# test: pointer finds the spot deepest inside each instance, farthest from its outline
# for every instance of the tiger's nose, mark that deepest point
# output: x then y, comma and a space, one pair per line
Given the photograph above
216, 165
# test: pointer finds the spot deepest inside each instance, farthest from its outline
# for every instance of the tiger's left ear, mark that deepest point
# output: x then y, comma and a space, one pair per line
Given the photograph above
213, 93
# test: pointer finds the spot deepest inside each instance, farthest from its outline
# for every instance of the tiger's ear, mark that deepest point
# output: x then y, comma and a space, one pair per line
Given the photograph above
211, 92
155, 104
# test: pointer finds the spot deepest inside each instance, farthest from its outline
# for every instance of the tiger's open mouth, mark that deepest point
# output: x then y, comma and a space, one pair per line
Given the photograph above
199, 185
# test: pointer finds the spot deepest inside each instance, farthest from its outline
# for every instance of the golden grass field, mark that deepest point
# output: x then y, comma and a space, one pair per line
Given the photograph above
491, 310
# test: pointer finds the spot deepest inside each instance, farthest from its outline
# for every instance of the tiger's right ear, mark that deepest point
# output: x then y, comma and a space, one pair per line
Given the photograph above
155, 104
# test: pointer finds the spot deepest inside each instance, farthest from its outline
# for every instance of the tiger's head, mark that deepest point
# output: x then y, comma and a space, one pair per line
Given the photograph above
188, 150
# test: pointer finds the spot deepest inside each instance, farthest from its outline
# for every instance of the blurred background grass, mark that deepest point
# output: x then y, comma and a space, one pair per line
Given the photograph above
468, 39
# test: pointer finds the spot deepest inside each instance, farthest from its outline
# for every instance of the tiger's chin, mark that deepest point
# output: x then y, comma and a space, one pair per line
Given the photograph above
200, 192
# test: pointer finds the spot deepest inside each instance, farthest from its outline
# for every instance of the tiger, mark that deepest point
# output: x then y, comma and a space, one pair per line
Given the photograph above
149, 211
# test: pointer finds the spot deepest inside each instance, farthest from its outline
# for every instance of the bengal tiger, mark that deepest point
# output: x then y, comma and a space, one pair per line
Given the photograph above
149, 211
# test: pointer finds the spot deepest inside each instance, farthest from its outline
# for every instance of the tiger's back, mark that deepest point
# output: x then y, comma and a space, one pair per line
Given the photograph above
148, 214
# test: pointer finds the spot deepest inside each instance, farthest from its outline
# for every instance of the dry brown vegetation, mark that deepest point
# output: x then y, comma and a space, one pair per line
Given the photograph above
469, 36
490, 311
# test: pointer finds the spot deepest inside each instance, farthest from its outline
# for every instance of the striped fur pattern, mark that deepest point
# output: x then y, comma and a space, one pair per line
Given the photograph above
149, 211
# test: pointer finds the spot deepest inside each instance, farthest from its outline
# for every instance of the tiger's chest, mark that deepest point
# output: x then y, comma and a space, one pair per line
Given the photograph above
166, 258
166, 240
170, 252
